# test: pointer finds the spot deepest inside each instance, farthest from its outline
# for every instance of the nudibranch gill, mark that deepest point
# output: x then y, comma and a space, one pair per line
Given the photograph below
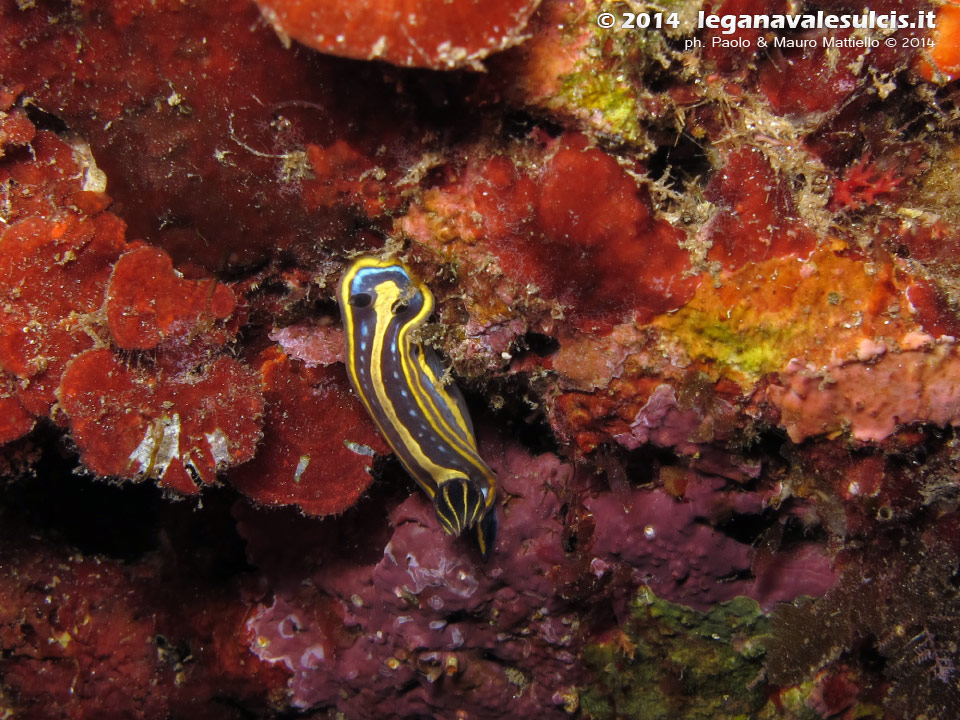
399, 381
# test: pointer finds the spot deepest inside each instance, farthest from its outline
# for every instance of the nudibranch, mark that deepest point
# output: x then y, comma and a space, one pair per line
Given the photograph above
400, 383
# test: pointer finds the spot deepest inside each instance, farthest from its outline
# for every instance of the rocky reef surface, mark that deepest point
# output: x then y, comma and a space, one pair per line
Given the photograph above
700, 286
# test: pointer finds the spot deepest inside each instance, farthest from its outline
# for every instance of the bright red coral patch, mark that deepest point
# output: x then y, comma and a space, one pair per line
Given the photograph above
862, 184
148, 301
318, 444
15, 420
175, 425
52, 278
435, 34
757, 219
585, 234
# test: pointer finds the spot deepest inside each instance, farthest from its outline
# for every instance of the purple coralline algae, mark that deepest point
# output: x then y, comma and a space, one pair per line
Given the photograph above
411, 630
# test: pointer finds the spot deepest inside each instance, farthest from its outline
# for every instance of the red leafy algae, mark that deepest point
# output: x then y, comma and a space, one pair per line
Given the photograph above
72, 259
319, 443
15, 420
178, 426
757, 219
577, 231
431, 34
146, 301
175, 88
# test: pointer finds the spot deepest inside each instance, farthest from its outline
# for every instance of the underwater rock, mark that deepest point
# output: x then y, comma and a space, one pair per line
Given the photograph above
898, 605
93, 648
87, 633
922, 387
424, 611
669, 660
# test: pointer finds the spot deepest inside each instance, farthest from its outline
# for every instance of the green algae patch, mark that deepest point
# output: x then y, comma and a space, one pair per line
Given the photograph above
672, 662
611, 70
611, 103
753, 320
733, 343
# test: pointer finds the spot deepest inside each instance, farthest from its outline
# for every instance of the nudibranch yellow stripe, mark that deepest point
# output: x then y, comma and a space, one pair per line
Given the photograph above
400, 383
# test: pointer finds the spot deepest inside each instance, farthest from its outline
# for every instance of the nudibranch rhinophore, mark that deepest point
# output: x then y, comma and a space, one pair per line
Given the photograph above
424, 419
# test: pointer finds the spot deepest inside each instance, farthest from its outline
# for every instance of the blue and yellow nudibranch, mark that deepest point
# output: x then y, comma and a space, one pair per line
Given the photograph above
399, 382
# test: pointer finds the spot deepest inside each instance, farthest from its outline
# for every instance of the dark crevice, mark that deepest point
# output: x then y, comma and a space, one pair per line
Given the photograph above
289, 713
954, 579
643, 464
518, 125
747, 529
123, 519
768, 528
537, 343
238, 272
680, 163
458, 616
44, 120
871, 659
736, 576
93, 515
519, 419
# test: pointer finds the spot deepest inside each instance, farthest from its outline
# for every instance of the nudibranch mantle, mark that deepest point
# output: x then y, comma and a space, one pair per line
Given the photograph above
399, 382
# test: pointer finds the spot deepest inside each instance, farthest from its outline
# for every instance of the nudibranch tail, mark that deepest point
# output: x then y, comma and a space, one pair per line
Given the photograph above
487, 531
458, 505
399, 382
